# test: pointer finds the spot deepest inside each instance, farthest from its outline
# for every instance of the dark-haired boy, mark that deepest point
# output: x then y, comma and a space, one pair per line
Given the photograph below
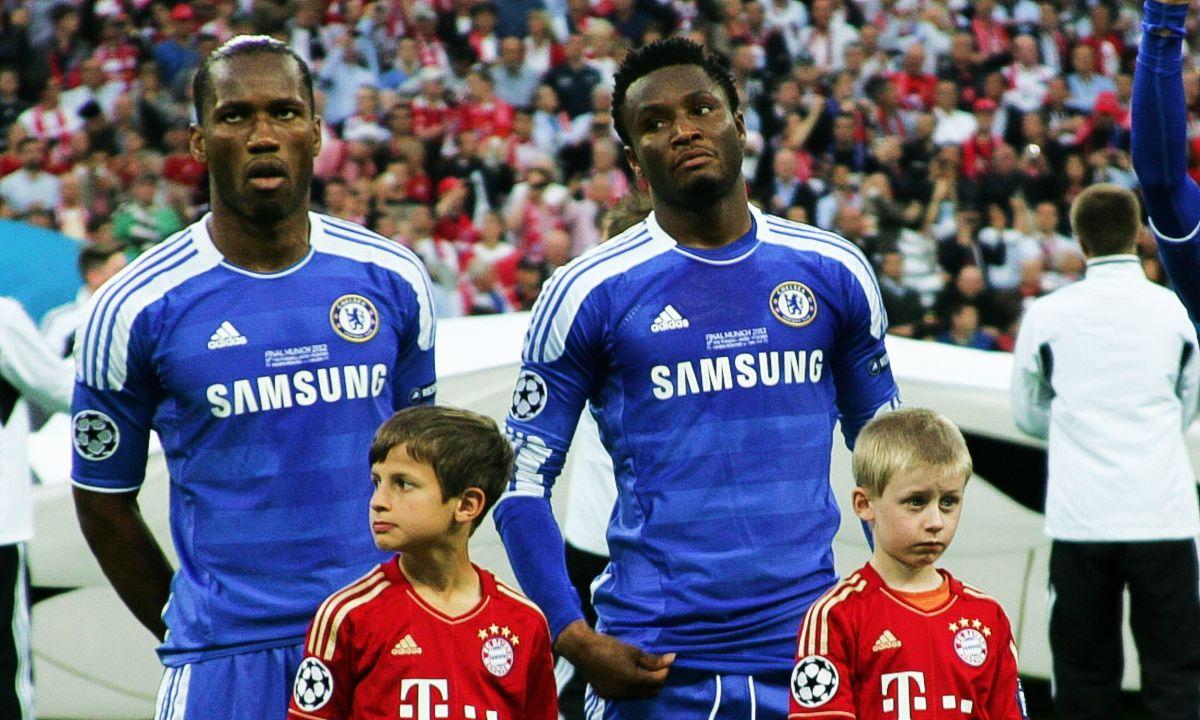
718, 345
428, 634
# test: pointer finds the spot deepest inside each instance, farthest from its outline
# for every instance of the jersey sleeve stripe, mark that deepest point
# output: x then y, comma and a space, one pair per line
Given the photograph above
100, 309
516, 595
824, 243
568, 271
531, 454
340, 616
320, 623
814, 640
553, 318
357, 245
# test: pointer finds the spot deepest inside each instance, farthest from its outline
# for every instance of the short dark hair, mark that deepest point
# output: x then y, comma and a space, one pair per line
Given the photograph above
244, 46
1106, 219
465, 449
95, 255
666, 53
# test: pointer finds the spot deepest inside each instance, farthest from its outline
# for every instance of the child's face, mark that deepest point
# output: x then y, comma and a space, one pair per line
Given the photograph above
407, 508
915, 519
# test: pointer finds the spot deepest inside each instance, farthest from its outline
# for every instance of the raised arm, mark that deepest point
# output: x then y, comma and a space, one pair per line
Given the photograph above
1159, 147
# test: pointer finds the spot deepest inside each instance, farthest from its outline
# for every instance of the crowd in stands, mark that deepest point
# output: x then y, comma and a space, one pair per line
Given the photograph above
946, 138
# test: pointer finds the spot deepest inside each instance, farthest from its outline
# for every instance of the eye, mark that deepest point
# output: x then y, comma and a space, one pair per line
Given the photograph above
704, 109
655, 124
286, 114
949, 502
232, 116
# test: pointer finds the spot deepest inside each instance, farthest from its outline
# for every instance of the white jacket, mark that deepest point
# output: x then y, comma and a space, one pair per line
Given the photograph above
1106, 370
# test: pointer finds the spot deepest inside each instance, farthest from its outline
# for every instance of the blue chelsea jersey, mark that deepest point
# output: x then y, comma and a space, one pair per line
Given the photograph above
265, 390
716, 379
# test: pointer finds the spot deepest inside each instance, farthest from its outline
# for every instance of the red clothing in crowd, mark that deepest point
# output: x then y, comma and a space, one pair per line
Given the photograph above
491, 118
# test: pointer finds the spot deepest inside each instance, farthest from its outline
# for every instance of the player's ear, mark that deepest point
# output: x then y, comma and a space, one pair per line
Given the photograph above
631, 158
739, 122
318, 123
860, 501
196, 143
470, 505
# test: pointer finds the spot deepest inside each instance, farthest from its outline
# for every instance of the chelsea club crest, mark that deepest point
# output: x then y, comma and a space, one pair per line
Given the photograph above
793, 303
354, 317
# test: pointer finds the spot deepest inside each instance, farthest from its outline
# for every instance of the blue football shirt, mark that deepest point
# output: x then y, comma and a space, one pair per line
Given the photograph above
716, 378
265, 390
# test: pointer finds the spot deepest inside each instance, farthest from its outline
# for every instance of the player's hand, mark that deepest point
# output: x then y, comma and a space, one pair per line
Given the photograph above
616, 670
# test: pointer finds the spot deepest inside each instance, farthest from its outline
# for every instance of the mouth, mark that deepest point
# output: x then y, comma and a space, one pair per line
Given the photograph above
266, 175
930, 546
379, 528
693, 159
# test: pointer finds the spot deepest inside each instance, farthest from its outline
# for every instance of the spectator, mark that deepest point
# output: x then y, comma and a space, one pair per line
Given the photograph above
905, 311
514, 82
481, 293
49, 120
1084, 83
30, 187
916, 87
573, 79
175, 53
11, 104
963, 328
953, 126
144, 219
826, 37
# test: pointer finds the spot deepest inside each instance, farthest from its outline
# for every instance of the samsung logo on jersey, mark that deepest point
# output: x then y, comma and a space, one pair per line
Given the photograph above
303, 388
744, 370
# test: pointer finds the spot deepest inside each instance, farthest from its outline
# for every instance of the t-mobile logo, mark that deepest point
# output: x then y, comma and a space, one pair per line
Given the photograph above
426, 707
906, 700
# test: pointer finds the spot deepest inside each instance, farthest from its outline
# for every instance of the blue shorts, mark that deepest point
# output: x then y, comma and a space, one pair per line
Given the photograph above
700, 695
255, 684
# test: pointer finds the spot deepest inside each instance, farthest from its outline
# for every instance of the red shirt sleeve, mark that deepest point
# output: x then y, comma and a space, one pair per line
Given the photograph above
821, 684
541, 700
322, 689
1006, 700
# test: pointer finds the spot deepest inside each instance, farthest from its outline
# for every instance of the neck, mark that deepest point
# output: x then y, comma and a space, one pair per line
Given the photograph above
905, 578
256, 246
713, 226
443, 577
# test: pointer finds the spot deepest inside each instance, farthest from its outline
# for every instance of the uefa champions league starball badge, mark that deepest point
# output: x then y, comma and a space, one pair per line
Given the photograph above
814, 681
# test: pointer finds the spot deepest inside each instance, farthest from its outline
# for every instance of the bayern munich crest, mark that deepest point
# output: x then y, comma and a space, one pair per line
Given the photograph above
793, 303
94, 435
970, 641
498, 651
354, 317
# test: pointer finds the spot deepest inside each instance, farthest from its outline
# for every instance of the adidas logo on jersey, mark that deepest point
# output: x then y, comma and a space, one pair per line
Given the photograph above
886, 641
226, 336
668, 319
407, 646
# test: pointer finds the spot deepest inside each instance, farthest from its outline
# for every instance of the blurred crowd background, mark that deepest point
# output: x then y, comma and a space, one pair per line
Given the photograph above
946, 138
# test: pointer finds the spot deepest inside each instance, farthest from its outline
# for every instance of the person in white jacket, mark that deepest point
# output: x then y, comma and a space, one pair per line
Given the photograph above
30, 370
1106, 370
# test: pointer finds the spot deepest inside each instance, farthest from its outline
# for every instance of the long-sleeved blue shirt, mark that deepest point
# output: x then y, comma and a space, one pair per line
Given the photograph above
716, 379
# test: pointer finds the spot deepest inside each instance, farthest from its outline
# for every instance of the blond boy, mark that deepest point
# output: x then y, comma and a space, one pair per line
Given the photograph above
899, 637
